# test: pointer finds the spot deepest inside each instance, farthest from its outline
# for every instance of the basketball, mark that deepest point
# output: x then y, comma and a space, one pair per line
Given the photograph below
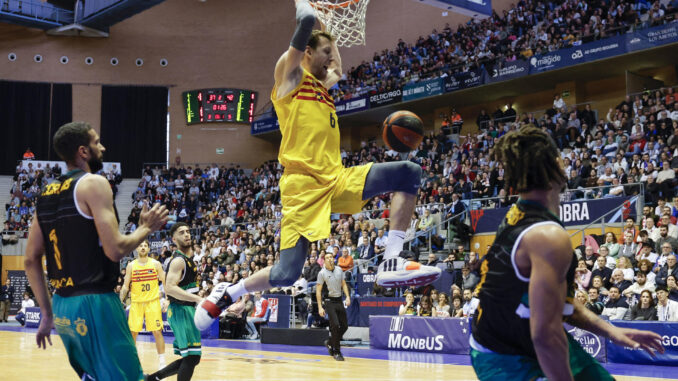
403, 131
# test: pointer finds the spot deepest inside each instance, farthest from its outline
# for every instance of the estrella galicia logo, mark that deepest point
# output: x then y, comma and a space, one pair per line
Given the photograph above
397, 324
577, 54
589, 342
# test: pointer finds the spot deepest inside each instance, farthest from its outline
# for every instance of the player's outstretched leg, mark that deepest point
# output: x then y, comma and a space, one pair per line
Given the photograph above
403, 178
282, 274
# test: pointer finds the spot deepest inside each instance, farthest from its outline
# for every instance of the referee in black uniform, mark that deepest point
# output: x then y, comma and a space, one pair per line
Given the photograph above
333, 277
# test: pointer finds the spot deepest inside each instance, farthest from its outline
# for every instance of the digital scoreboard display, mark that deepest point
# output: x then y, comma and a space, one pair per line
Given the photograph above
219, 105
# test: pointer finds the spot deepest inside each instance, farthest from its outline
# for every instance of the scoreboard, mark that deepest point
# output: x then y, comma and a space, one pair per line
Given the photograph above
219, 105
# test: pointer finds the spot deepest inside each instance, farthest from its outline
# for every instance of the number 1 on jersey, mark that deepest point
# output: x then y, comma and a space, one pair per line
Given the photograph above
57, 254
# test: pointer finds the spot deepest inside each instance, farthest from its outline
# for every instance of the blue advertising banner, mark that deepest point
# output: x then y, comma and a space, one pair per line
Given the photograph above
365, 283
651, 37
420, 334
572, 213
386, 98
361, 309
264, 125
669, 334
471, 8
423, 89
592, 343
353, 105
609, 47
280, 306
554, 60
511, 70
32, 317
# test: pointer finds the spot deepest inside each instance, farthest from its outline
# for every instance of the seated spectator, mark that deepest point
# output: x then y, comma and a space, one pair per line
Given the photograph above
469, 280
597, 284
670, 268
618, 281
457, 307
590, 257
601, 271
470, 303
582, 275
432, 260
593, 302
645, 267
473, 262
667, 310
672, 287
27, 302
604, 252
236, 314
260, 307
616, 307
408, 308
425, 308
644, 309
626, 267
345, 261
612, 244
639, 286
380, 243
443, 307
663, 239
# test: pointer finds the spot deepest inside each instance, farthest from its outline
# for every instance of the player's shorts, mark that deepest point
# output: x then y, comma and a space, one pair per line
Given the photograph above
96, 336
307, 203
186, 334
495, 366
151, 311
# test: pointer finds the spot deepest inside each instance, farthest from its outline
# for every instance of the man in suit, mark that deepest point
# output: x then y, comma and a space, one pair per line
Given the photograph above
6, 299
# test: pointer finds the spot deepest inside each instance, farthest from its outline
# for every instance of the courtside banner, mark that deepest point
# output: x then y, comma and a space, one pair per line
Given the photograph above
280, 306
511, 70
420, 334
264, 125
353, 105
592, 343
572, 213
386, 98
595, 50
423, 89
669, 334
651, 37
32, 317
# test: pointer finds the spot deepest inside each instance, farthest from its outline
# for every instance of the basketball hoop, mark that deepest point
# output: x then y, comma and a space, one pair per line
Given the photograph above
345, 20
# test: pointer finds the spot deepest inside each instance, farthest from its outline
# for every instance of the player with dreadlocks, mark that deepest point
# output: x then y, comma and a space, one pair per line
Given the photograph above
527, 280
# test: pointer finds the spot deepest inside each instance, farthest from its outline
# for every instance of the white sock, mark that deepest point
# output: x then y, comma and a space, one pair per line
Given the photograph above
236, 290
161, 359
394, 245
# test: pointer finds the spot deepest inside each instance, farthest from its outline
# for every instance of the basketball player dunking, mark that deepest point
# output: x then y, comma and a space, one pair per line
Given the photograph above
315, 183
77, 226
527, 280
141, 280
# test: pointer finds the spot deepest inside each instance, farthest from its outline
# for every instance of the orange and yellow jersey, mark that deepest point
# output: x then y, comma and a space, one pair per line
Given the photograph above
144, 281
310, 130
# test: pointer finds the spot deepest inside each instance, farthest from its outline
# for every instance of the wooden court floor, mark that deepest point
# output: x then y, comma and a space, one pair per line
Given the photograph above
20, 359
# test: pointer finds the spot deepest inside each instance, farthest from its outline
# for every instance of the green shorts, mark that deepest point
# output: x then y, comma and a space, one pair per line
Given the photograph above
98, 341
495, 366
186, 334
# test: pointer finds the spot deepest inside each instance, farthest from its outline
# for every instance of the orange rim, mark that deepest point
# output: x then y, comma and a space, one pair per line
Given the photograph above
335, 6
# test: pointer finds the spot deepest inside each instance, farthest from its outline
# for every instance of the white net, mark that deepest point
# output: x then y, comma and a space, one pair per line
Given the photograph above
344, 19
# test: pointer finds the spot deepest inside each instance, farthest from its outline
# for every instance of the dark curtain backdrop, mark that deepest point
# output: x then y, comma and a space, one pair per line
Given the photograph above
134, 126
29, 113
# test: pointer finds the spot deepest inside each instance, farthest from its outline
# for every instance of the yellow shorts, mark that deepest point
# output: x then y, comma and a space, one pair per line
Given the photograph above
307, 204
149, 310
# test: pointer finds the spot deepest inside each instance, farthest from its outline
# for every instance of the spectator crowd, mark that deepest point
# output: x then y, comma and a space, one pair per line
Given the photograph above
527, 28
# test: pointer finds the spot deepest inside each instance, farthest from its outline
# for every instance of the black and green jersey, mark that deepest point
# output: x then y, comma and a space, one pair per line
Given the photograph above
501, 322
188, 278
76, 263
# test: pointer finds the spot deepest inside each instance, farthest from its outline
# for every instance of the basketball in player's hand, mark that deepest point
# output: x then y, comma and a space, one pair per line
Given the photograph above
403, 131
